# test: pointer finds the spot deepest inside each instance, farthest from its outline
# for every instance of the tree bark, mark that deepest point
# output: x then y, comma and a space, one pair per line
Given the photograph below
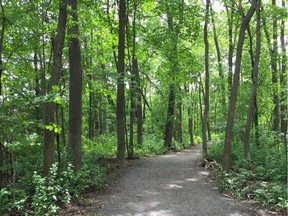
170, 117
120, 84
283, 82
179, 132
254, 86
190, 126
172, 57
2, 33
275, 73
233, 95
75, 91
206, 96
139, 106
230, 17
50, 107
3, 23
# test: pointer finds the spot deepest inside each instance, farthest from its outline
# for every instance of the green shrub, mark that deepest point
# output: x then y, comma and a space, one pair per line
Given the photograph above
51, 193
263, 178
152, 145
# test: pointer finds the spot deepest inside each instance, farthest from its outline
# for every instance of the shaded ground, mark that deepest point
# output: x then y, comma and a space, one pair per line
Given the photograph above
168, 185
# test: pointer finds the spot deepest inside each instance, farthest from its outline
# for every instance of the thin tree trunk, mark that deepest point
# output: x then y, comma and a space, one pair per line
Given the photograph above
58, 144
233, 96
230, 16
120, 84
3, 23
90, 116
283, 83
206, 96
254, 86
1, 164
139, 106
275, 74
179, 123
75, 91
2, 33
190, 117
190, 126
63, 127
104, 105
50, 107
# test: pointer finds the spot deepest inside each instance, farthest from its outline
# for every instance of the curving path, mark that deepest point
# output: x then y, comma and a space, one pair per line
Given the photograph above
168, 185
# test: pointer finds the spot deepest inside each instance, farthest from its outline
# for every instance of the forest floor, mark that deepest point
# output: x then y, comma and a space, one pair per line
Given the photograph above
168, 185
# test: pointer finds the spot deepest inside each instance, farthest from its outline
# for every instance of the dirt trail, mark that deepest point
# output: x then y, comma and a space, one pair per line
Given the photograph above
168, 185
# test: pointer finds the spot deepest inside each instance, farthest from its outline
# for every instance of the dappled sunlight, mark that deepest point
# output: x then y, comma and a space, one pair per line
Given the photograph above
168, 156
191, 180
147, 209
236, 214
205, 173
172, 186
156, 213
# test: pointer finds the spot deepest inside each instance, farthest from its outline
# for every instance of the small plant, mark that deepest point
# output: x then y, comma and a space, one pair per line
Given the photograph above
50, 193
261, 179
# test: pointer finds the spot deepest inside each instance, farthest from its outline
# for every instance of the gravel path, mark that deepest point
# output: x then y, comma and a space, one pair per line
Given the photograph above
168, 185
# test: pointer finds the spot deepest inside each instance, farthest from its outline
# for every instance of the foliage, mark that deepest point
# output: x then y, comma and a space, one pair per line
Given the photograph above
262, 179
152, 145
50, 191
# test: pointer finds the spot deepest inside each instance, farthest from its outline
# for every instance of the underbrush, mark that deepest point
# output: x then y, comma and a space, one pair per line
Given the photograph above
33, 194
42, 196
262, 179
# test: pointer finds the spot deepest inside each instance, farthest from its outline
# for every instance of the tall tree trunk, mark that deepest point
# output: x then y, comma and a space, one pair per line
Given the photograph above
190, 117
233, 95
132, 111
139, 106
50, 107
230, 17
254, 85
179, 133
190, 126
104, 109
75, 91
58, 144
283, 82
206, 96
120, 84
2, 33
172, 57
170, 117
3, 23
90, 116
275, 73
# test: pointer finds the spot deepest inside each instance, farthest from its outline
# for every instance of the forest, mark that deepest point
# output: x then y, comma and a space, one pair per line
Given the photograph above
87, 85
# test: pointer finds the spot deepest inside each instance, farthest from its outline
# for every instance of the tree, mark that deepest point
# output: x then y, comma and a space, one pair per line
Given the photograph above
254, 85
75, 91
233, 95
173, 31
3, 23
206, 95
283, 82
120, 83
50, 106
230, 11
